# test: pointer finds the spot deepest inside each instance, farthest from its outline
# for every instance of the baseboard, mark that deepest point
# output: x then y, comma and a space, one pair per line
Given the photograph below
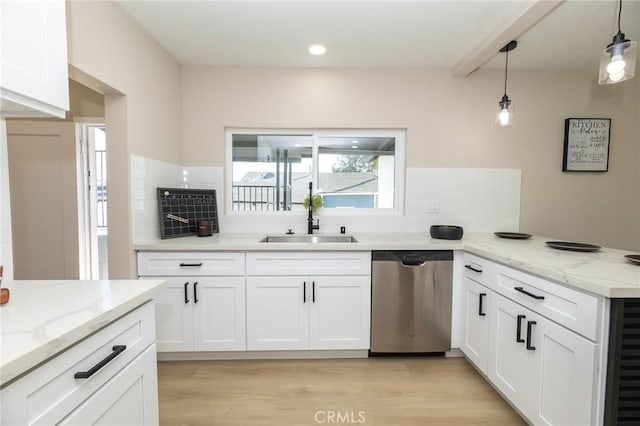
202, 356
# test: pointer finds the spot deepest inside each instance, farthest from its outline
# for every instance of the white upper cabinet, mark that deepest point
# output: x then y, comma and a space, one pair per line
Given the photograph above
33, 48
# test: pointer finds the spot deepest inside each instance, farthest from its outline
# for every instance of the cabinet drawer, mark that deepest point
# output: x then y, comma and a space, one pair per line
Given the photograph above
190, 263
578, 311
477, 268
309, 263
50, 392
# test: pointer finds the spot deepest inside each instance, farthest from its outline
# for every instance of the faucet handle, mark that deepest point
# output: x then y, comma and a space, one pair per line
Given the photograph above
290, 232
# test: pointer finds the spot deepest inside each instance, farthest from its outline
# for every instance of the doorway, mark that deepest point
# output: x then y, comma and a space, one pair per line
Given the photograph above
92, 199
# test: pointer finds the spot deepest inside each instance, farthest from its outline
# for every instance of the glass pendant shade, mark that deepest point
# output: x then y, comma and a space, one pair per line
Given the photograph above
504, 113
618, 61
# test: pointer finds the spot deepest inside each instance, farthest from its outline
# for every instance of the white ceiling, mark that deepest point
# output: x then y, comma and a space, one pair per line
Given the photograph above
399, 34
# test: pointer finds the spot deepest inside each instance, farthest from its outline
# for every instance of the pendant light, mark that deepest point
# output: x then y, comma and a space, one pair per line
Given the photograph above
618, 61
504, 115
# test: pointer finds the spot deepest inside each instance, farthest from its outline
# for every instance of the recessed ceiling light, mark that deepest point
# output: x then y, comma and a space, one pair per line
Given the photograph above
354, 146
354, 142
317, 49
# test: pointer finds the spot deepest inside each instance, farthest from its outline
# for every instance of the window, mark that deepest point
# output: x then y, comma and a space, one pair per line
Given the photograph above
270, 171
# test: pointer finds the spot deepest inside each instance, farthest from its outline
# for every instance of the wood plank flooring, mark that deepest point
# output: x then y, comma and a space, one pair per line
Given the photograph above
374, 391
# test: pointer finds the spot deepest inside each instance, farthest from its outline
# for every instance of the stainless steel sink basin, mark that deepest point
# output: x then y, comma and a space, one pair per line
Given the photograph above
309, 239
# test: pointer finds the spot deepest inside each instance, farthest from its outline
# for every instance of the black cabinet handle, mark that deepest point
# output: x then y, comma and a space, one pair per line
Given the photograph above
473, 269
519, 338
182, 265
313, 291
186, 295
530, 325
304, 292
117, 350
481, 297
535, 296
195, 292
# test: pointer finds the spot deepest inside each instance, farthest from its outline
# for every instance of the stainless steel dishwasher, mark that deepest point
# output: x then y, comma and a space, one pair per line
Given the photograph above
411, 301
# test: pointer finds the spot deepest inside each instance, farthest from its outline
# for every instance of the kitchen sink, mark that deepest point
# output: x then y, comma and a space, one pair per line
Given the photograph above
309, 239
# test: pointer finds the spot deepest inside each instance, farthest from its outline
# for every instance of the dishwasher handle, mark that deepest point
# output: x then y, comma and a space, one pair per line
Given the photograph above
413, 262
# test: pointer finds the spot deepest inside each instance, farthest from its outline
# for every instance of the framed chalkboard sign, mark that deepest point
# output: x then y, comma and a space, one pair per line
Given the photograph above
181, 208
586, 145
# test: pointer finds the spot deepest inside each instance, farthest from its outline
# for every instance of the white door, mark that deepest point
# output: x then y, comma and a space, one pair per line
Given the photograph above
174, 315
130, 398
44, 206
278, 313
562, 376
508, 357
219, 314
475, 344
340, 312
92, 199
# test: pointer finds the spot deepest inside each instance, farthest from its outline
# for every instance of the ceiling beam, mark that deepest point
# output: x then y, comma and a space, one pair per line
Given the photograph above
518, 25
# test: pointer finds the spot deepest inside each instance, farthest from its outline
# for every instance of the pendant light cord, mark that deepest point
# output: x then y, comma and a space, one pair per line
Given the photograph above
506, 67
619, 14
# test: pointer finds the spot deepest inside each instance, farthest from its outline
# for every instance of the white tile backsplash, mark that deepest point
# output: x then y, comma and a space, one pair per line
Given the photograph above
480, 200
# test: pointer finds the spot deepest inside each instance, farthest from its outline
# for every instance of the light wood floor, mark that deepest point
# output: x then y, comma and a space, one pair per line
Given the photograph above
374, 391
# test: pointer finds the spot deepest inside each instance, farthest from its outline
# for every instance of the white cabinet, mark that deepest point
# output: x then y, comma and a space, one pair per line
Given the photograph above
33, 50
203, 306
201, 314
130, 398
538, 342
277, 313
475, 308
545, 370
321, 311
108, 378
340, 312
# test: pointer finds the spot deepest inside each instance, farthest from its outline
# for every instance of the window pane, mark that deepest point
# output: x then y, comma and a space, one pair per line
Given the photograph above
356, 172
270, 172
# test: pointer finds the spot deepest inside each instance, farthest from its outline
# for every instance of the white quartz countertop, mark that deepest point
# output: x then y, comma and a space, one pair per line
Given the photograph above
43, 318
605, 272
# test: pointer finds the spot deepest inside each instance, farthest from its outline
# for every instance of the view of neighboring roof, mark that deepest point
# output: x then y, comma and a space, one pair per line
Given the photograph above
344, 182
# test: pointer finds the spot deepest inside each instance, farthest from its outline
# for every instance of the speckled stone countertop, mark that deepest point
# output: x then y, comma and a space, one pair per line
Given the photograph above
605, 272
43, 318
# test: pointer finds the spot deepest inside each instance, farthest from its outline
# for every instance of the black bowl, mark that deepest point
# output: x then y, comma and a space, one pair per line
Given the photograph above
446, 232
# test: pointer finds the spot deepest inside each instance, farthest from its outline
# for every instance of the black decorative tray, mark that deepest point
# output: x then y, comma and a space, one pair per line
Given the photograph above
512, 235
570, 246
633, 258
181, 209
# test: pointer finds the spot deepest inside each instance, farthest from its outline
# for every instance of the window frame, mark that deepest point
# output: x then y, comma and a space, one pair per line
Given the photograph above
316, 134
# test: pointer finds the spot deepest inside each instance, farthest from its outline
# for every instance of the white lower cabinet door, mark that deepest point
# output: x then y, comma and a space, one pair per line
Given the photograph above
340, 312
476, 307
174, 316
219, 314
278, 313
508, 366
129, 398
562, 376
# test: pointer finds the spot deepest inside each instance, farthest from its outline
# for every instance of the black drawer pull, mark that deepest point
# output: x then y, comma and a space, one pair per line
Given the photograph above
195, 292
519, 338
535, 296
182, 265
186, 295
481, 297
313, 291
117, 350
530, 325
304, 292
473, 269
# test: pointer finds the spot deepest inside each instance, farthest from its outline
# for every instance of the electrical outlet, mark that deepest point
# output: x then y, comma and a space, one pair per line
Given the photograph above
432, 206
